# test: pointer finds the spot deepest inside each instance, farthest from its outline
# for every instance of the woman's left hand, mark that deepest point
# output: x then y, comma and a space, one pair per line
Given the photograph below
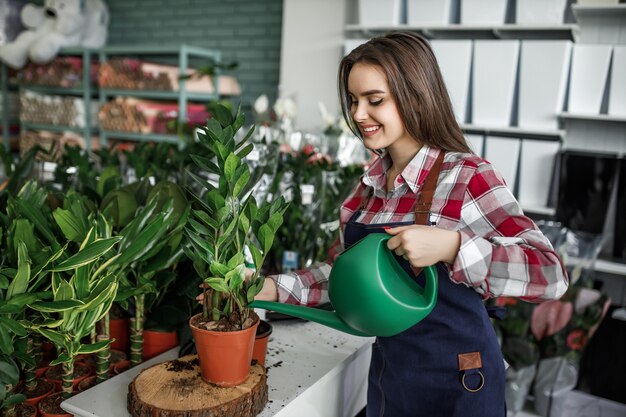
424, 245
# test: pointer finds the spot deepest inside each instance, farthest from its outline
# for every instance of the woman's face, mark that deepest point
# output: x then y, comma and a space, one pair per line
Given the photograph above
374, 109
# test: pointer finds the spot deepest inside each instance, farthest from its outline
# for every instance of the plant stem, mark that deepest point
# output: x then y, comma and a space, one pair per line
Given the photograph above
215, 299
30, 382
68, 378
136, 331
103, 357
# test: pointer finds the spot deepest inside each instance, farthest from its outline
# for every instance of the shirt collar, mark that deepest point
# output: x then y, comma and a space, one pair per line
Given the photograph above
414, 174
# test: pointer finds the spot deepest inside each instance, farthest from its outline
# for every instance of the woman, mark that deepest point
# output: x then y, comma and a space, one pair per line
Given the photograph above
443, 206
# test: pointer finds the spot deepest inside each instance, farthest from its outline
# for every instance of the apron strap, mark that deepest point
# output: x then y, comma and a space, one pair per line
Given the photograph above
425, 200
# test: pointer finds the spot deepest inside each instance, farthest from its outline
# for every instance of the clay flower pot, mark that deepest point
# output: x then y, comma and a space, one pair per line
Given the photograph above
118, 329
156, 342
42, 390
50, 406
224, 356
86, 383
121, 366
81, 371
263, 333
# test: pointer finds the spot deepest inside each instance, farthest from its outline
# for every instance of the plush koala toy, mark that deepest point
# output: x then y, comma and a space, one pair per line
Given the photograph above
57, 24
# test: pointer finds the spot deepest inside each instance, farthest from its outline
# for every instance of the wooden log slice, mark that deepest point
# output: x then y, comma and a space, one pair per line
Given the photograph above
176, 389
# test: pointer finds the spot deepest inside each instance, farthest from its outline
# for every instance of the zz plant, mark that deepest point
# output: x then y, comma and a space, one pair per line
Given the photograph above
225, 220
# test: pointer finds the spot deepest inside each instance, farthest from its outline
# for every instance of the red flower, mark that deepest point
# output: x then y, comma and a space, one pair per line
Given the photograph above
549, 317
577, 339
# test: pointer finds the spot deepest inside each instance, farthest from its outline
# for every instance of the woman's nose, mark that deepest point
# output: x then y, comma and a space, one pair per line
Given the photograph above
360, 112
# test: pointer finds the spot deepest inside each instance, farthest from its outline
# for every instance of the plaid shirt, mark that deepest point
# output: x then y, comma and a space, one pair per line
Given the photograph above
502, 251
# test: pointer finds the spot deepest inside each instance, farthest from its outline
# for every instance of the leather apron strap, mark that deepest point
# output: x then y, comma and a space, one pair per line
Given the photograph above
425, 200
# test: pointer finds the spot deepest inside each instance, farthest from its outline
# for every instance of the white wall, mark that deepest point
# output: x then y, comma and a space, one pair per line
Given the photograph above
312, 46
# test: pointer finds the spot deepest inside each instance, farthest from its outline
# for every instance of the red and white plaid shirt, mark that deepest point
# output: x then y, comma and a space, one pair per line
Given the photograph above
502, 251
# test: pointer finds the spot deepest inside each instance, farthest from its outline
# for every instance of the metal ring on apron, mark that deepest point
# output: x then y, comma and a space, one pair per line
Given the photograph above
482, 382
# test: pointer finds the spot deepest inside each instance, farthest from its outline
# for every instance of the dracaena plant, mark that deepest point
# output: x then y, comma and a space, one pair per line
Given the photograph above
83, 291
226, 219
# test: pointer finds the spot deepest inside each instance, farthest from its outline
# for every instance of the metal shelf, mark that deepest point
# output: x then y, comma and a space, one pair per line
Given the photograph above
599, 10
554, 135
70, 91
105, 135
159, 95
594, 117
546, 211
55, 128
456, 30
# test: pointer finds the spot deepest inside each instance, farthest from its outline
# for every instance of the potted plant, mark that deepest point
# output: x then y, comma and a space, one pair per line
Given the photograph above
226, 220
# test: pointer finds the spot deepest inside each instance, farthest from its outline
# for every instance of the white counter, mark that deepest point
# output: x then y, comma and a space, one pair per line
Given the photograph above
313, 371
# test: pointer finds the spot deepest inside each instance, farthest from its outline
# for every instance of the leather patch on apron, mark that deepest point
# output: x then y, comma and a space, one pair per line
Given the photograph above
469, 361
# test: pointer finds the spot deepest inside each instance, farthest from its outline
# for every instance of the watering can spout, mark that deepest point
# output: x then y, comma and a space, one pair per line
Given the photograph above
324, 317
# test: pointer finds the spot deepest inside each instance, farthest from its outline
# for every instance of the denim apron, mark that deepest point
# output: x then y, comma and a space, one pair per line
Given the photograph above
447, 365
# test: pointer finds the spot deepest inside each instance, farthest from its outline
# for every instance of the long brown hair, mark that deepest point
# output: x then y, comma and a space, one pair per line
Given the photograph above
416, 85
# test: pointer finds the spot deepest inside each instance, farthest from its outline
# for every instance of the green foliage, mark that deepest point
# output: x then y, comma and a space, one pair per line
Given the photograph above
226, 220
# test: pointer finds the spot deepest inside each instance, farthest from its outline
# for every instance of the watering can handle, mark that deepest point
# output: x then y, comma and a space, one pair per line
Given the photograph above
431, 282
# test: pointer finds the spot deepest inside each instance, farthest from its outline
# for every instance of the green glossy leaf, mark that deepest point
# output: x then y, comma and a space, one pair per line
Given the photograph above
266, 237
241, 182
94, 347
9, 371
218, 284
257, 256
13, 326
35, 215
70, 226
14, 399
61, 289
223, 115
245, 151
6, 342
19, 285
230, 166
144, 242
56, 306
89, 254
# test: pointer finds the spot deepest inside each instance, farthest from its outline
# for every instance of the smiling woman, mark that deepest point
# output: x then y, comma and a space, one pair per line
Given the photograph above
442, 206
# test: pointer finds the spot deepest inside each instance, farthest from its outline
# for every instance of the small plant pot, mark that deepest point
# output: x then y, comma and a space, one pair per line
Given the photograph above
26, 410
41, 391
118, 329
224, 356
51, 406
121, 367
87, 383
263, 333
81, 371
156, 342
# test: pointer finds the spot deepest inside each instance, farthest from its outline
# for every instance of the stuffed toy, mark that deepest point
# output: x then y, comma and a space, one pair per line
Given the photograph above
59, 23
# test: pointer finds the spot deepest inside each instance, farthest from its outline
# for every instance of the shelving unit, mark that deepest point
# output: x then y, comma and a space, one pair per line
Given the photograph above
7, 121
553, 135
183, 54
86, 91
460, 31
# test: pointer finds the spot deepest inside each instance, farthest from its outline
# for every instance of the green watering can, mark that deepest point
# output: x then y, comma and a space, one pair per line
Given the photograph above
371, 293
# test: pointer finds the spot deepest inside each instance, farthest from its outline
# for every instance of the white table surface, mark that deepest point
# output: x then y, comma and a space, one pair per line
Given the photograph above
313, 371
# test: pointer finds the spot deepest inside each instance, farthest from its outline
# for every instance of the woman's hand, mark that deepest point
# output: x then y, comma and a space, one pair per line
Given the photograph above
424, 245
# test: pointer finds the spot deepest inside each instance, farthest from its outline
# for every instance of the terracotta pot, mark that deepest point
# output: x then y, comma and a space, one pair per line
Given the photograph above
49, 406
42, 390
224, 356
156, 342
263, 333
26, 410
118, 330
81, 371
121, 367
86, 383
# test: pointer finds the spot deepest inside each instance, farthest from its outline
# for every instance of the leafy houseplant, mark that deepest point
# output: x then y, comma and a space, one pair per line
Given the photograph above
225, 220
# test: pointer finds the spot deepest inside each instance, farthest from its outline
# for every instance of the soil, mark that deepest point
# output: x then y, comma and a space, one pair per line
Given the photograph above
264, 329
40, 389
117, 356
232, 323
179, 366
24, 410
51, 404
56, 372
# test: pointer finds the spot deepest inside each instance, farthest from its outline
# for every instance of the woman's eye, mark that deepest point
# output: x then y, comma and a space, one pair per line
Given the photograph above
376, 102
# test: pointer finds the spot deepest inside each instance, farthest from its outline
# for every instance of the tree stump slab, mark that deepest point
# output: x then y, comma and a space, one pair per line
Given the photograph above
176, 389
